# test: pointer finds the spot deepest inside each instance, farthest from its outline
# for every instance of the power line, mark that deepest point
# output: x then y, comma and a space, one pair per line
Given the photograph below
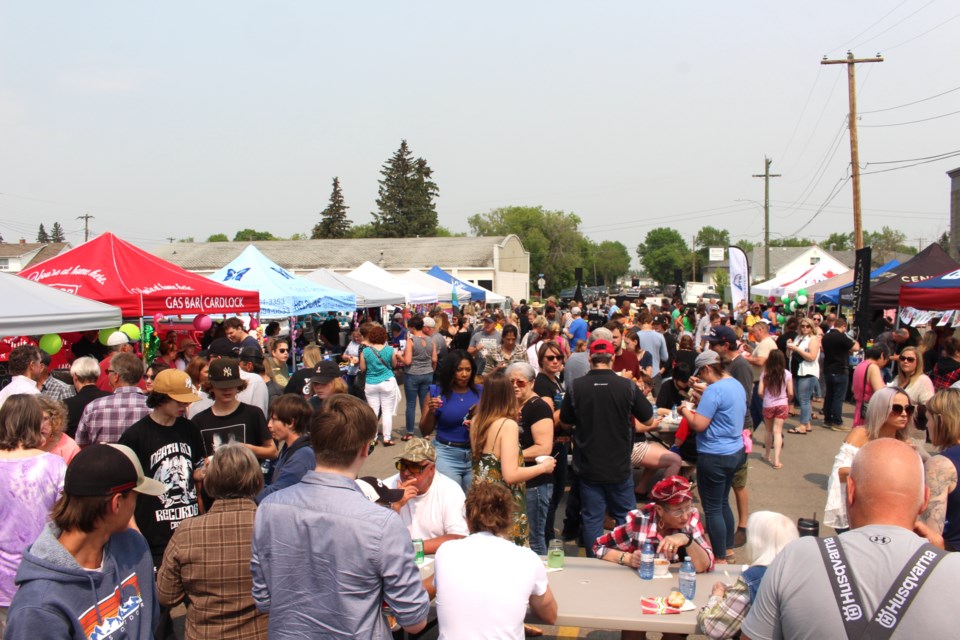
909, 104
806, 103
881, 19
923, 34
900, 124
816, 125
866, 173
937, 156
895, 24
835, 192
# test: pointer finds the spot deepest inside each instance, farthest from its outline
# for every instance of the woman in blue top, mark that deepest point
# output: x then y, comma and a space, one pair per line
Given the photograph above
378, 359
718, 421
445, 410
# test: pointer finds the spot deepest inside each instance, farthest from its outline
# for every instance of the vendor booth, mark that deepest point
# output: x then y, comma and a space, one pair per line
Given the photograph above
367, 294
35, 309
885, 288
412, 294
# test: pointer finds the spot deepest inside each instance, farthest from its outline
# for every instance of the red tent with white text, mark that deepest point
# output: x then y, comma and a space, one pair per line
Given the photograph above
114, 271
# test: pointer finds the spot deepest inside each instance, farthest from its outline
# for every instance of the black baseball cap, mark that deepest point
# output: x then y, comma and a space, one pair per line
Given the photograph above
377, 488
723, 334
326, 371
250, 354
106, 469
224, 373
221, 347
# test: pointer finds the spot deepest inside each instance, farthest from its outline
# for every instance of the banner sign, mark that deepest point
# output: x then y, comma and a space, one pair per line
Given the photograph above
861, 291
739, 276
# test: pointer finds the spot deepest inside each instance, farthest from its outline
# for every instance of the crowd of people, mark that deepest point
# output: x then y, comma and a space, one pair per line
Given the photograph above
224, 478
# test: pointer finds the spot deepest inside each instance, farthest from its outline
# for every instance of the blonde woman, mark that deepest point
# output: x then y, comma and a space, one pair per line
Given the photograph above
54, 440
916, 384
805, 348
942, 420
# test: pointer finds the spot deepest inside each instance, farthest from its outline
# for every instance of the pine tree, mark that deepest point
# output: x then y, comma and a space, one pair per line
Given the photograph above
56, 234
405, 203
42, 236
333, 222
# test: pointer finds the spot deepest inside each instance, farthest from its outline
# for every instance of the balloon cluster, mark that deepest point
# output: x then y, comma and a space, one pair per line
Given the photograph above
792, 302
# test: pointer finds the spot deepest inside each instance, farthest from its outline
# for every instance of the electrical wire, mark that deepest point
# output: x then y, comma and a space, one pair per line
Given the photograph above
803, 111
915, 164
835, 192
937, 156
816, 125
909, 104
821, 170
881, 19
895, 24
922, 34
900, 124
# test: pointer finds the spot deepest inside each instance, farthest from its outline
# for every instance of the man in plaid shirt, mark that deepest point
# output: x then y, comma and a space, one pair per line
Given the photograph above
670, 521
105, 419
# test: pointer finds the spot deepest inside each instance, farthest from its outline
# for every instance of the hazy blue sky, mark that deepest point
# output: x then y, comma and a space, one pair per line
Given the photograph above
190, 118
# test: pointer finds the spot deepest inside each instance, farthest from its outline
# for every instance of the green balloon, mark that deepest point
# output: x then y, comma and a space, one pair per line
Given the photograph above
785, 299
802, 292
106, 333
51, 343
781, 319
132, 331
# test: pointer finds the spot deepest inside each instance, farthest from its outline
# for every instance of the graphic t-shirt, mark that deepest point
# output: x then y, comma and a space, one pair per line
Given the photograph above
245, 425
168, 455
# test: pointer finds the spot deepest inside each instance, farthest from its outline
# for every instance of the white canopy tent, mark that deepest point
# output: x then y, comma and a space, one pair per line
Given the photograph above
31, 308
413, 294
793, 281
444, 289
367, 294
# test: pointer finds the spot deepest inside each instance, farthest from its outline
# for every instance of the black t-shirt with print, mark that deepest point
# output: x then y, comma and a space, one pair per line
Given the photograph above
532, 412
168, 455
246, 425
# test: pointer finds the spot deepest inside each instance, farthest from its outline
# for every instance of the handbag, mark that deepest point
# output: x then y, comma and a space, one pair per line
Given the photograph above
864, 402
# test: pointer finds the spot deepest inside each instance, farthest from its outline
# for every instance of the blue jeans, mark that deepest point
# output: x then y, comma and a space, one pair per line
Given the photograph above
415, 389
756, 406
559, 484
597, 499
714, 480
836, 393
455, 463
538, 501
806, 386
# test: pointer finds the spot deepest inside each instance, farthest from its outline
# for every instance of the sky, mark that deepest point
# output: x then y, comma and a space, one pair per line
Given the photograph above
184, 119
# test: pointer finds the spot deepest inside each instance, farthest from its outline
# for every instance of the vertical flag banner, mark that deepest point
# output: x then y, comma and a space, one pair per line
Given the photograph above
454, 300
861, 291
739, 276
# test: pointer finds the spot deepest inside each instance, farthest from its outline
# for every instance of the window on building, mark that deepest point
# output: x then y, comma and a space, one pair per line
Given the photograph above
814, 260
4, 264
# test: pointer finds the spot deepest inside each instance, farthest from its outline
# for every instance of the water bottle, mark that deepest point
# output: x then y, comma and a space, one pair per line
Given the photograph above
646, 561
673, 414
688, 579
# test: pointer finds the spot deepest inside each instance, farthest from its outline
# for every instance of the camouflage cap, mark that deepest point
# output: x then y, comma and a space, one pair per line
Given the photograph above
418, 450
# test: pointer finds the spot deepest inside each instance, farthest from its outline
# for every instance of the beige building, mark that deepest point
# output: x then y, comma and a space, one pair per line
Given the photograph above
500, 264
15, 257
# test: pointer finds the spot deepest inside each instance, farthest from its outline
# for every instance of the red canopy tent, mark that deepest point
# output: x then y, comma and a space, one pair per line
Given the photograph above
114, 271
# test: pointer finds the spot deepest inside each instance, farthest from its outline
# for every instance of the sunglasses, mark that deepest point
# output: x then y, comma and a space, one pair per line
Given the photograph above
907, 359
900, 409
283, 350
553, 358
519, 383
411, 467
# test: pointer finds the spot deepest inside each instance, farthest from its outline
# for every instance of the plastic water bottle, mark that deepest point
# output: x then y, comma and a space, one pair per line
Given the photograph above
646, 561
688, 579
673, 414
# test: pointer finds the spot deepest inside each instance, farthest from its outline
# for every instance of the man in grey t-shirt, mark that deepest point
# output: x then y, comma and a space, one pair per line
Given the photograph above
486, 339
885, 494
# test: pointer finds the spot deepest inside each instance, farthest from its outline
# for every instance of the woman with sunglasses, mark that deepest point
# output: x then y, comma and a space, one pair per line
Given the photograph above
276, 364
548, 385
887, 416
941, 417
804, 355
917, 385
536, 439
495, 445
446, 411
867, 380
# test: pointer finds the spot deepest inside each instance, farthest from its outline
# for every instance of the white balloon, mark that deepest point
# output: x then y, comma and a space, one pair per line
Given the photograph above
802, 300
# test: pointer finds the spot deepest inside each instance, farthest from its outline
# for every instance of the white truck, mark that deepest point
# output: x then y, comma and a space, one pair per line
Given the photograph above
694, 292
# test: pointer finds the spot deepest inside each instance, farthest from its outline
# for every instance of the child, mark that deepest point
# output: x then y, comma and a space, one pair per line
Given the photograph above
776, 387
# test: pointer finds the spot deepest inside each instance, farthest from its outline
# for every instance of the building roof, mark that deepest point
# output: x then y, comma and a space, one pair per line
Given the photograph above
782, 256
45, 250
308, 255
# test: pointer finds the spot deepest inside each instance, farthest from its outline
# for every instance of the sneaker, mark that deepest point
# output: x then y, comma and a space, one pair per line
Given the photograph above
739, 538
839, 427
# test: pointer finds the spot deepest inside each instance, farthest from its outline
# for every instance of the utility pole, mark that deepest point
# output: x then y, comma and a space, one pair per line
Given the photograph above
86, 225
766, 175
171, 239
851, 63
693, 269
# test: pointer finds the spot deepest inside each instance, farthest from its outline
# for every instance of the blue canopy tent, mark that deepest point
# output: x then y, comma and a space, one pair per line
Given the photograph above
281, 293
828, 291
476, 293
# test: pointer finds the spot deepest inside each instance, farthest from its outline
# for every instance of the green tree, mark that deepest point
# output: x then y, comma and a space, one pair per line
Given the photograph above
190, 239
218, 237
333, 220
791, 242
56, 233
611, 260
405, 206
42, 236
746, 245
838, 242
722, 280
363, 231
885, 243
662, 252
443, 232
249, 235
299, 236
708, 237
553, 239
943, 241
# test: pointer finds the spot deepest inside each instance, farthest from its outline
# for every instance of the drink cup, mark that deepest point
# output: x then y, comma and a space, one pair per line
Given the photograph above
661, 566
555, 554
808, 527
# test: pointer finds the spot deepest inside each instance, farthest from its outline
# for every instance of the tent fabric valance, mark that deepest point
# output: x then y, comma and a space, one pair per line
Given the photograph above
367, 294
117, 273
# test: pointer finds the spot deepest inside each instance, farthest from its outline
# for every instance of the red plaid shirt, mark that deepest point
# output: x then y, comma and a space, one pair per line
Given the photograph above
641, 526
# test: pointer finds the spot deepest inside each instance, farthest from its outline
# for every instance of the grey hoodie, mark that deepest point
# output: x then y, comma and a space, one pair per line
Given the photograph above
57, 598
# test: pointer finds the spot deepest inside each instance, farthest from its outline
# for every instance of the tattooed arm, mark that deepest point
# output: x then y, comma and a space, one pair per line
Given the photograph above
941, 479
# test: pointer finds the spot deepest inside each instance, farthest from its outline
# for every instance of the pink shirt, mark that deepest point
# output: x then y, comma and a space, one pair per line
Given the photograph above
779, 400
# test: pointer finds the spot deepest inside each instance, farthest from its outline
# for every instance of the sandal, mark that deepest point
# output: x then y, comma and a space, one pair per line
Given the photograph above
406, 437
798, 431
388, 443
